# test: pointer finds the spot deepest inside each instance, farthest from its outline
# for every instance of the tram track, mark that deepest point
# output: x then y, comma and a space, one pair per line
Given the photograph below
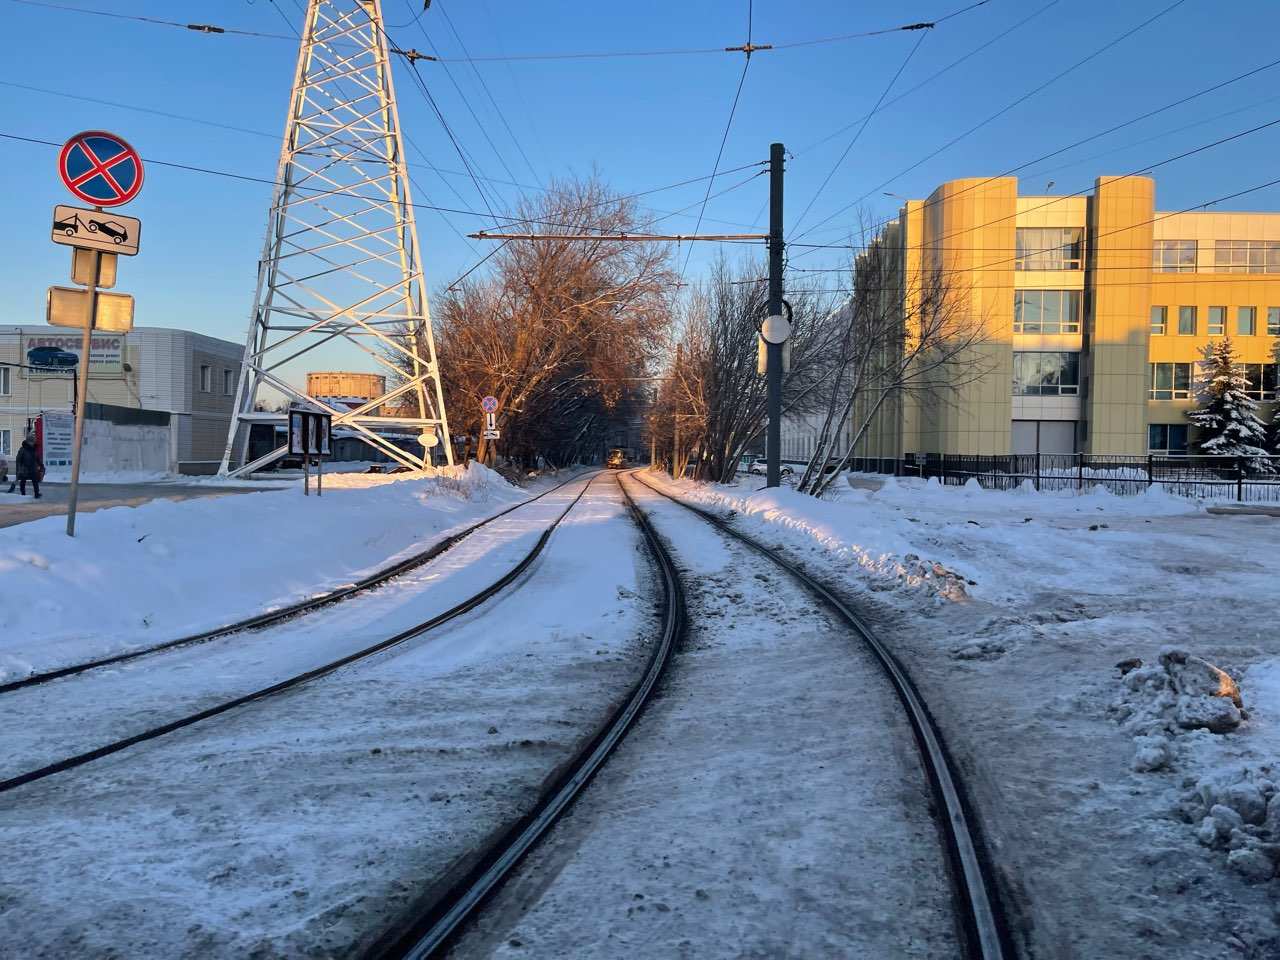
465, 606
286, 613
433, 925
979, 912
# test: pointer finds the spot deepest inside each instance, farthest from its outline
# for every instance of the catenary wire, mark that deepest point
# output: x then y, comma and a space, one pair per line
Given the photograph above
1003, 110
865, 120
1109, 130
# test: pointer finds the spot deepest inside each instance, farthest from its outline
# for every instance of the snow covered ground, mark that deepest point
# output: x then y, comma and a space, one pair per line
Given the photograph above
768, 803
304, 824
1012, 610
133, 577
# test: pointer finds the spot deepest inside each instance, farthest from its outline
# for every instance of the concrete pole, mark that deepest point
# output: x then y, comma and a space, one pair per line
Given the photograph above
773, 351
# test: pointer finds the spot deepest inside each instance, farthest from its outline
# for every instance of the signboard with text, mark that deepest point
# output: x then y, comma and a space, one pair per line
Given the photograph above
57, 430
54, 354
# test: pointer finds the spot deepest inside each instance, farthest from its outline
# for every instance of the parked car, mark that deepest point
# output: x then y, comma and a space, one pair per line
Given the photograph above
116, 231
760, 466
52, 357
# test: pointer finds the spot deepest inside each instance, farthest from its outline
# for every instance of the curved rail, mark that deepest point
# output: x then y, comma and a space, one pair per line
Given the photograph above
281, 614
982, 919
439, 921
70, 763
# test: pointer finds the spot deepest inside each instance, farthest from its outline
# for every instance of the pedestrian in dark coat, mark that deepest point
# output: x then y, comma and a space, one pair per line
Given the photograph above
28, 467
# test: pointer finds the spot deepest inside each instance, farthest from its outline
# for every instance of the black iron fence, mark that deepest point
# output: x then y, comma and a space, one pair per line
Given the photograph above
1251, 479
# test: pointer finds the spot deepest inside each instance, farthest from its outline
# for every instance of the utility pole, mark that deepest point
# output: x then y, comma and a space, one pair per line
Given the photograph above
773, 344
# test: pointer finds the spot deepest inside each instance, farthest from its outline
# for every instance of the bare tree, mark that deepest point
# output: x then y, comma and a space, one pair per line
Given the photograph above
560, 330
716, 391
905, 331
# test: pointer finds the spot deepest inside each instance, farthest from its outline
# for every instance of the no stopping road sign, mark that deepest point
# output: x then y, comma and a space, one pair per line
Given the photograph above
100, 168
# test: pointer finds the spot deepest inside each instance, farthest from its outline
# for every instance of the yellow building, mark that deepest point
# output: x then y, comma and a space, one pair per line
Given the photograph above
1092, 312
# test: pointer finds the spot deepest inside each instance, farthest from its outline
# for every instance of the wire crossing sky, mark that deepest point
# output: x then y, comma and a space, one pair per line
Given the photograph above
534, 93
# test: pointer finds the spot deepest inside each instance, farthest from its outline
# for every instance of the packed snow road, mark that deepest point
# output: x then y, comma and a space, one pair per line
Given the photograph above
307, 823
768, 803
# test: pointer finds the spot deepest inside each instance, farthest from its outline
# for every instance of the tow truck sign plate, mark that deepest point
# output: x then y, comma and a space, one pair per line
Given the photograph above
95, 230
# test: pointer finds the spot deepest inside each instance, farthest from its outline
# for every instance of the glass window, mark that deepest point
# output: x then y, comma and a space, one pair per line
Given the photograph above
1049, 248
227, 383
1170, 381
1262, 380
5, 387
1046, 311
1167, 439
5, 437
1159, 319
206, 378
1217, 321
1186, 321
1273, 321
1246, 321
1050, 374
1175, 256
1246, 256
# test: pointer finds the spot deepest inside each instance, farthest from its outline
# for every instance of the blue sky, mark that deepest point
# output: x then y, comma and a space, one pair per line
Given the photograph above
640, 122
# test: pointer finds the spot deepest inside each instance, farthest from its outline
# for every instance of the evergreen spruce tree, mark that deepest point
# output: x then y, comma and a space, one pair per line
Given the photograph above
1226, 415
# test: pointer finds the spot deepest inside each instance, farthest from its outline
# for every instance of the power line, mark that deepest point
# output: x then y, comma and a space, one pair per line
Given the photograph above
196, 27
1146, 168
591, 55
1003, 110
865, 120
413, 63
929, 79
1119, 126
484, 86
209, 171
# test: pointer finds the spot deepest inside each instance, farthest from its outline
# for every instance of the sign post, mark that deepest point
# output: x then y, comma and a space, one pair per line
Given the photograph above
490, 407
101, 169
310, 436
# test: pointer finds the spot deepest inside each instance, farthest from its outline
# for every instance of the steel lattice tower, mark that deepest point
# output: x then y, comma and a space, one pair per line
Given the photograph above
341, 262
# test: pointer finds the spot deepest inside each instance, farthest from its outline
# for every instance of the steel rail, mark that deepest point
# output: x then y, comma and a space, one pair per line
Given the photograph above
79, 760
281, 614
979, 910
438, 922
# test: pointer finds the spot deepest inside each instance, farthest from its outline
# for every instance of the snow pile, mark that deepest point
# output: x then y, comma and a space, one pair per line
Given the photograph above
1237, 809
844, 534
137, 576
1178, 693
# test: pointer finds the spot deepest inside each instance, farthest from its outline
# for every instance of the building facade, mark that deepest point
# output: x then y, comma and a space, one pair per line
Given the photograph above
186, 375
1093, 312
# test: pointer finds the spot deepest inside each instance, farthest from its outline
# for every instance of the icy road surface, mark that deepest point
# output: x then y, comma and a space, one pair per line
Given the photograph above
304, 825
769, 802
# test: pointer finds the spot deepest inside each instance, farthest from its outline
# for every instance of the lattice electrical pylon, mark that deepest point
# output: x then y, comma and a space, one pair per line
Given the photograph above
341, 262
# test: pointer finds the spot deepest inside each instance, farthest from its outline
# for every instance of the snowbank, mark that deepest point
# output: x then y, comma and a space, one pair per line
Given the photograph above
946, 542
136, 576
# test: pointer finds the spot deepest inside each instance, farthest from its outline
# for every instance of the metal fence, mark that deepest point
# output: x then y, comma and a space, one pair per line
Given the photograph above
1247, 479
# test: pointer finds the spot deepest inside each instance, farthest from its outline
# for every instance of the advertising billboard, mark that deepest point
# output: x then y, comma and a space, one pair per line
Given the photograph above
54, 354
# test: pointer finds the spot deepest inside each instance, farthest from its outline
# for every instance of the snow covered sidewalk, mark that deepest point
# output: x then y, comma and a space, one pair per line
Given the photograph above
305, 824
768, 803
133, 577
1012, 611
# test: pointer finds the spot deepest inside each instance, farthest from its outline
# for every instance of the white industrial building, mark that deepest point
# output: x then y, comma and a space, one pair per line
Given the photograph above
177, 378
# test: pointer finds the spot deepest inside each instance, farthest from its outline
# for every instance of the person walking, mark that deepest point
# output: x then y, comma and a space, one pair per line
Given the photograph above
28, 467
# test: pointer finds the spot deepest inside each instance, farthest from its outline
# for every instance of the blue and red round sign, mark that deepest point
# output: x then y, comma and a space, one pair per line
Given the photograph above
100, 168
